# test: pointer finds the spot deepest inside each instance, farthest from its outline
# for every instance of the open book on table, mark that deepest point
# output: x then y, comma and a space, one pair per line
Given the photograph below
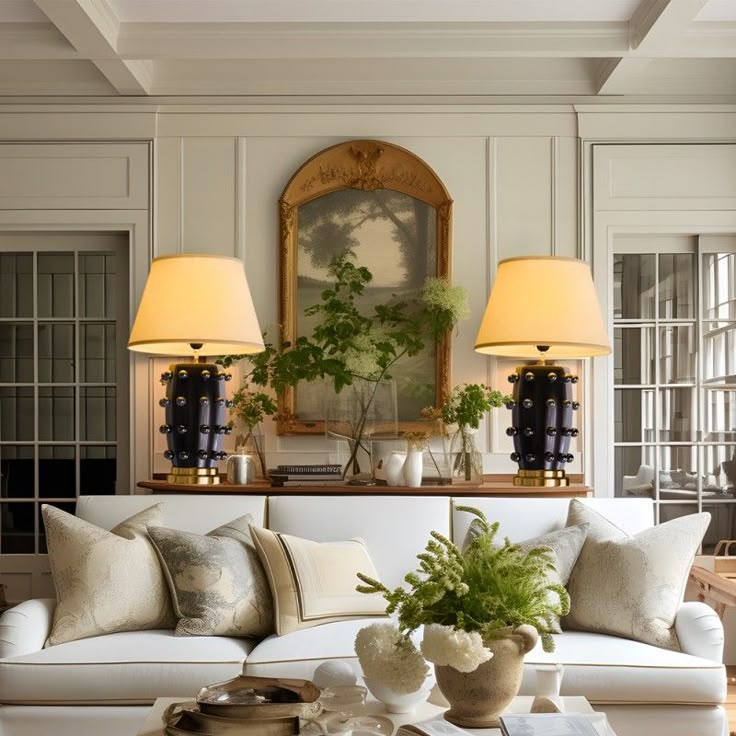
537, 724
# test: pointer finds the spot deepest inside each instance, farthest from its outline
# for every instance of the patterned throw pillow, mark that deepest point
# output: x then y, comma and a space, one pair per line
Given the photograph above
106, 581
314, 582
632, 586
565, 545
217, 583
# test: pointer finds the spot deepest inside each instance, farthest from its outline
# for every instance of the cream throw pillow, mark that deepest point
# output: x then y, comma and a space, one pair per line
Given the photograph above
106, 581
314, 582
632, 586
218, 585
564, 544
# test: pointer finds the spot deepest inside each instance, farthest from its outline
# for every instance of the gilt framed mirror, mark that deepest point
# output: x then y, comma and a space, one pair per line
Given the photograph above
392, 211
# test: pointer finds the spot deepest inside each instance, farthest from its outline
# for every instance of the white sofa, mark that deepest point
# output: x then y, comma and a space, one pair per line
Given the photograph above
106, 684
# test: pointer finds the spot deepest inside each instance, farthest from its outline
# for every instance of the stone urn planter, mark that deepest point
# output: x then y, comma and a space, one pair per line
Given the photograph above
477, 698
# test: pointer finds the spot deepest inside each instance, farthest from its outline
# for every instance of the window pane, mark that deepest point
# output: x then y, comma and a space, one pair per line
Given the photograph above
55, 413
676, 286
18, 532
719, 286
634, 415
56, 472
720, 415
16, 285
98, 470
678, 473
633, 355
97, 414
55, 352
68, 507
97, 353
678, 414
719, 462
674, 510
16, 353
97, 273
677, 351
633, 286
634, 471
16, 413
55, 284
721, 526
16, 471
719, 352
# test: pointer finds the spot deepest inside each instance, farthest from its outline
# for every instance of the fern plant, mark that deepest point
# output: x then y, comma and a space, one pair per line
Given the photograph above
484, 588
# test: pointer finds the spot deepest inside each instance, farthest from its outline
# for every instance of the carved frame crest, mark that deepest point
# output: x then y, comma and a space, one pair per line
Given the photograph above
365, 165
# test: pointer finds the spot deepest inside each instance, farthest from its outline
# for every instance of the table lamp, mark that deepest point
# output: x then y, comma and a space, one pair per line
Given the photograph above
542, 307
198, 304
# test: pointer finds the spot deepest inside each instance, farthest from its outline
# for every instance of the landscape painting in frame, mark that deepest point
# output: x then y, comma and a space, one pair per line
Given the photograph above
392, 234
388, 209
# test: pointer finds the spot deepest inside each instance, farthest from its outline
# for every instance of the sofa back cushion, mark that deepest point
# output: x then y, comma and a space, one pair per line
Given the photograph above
522, 518
395, 529
197, 513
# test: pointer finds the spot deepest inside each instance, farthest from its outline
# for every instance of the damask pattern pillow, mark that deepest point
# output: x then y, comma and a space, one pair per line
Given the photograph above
106, 581
632, 586
314, 582
565, 545
218, 585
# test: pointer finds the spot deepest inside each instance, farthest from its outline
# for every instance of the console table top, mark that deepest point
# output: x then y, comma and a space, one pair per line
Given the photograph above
488, 488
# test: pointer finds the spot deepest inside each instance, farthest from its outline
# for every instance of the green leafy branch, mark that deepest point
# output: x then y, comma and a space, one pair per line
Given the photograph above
485, 588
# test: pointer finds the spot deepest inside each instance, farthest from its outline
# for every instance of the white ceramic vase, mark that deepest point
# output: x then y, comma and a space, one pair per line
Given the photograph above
413, 466
395, 702
394, 467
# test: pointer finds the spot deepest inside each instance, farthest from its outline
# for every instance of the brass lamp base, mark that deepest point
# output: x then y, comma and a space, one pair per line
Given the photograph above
193, 476
541, 478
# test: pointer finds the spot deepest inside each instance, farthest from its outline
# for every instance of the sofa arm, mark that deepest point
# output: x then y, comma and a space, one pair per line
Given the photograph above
699, 631
25, 628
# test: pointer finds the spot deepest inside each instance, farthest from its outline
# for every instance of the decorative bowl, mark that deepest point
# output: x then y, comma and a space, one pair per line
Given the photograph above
399, 702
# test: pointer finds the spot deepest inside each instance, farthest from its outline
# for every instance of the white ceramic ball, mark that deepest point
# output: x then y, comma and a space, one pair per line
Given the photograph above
334, 674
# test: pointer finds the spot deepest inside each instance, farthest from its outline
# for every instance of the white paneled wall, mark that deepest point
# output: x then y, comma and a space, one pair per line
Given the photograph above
513, 195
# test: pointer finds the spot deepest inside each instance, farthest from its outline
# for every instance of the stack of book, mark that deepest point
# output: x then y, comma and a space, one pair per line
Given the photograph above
306, 475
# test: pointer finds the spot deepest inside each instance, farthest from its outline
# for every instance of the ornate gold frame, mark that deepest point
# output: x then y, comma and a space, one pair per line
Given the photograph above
367, 165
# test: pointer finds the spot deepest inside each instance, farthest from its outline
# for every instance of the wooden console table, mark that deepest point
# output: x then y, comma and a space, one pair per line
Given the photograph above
489, 488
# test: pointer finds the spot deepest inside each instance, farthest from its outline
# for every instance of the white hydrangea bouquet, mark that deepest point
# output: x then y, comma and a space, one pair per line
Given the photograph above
391, 658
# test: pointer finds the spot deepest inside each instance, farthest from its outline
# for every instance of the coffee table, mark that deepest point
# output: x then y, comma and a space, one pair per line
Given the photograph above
521, 704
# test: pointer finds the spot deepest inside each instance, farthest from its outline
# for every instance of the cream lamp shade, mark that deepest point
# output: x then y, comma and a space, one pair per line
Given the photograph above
196, 300
543, 301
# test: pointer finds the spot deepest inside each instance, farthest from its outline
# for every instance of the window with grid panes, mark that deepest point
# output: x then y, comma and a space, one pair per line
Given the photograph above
675, 376
63, 387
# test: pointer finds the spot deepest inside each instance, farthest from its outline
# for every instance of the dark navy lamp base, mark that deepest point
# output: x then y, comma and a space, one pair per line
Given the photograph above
541, 424
195, 421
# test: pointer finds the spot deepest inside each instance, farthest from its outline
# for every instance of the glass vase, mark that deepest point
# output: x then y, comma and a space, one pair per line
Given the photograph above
253, 443
466, 460
363, 412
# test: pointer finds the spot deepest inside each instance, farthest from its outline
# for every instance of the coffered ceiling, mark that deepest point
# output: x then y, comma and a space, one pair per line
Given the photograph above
593, 49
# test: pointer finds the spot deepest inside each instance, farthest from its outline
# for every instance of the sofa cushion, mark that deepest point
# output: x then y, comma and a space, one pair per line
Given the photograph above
605, 669
128, 667
394, 528
314, 582
217, 583
628, 585
106, 581
609, 669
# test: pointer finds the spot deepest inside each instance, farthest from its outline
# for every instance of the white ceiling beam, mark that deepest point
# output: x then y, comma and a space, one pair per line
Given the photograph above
370, 40
614, 76
92, 28
34, 41
657, 23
